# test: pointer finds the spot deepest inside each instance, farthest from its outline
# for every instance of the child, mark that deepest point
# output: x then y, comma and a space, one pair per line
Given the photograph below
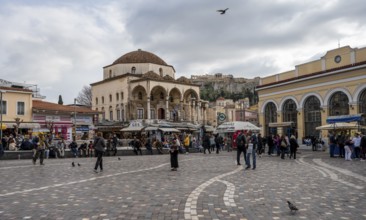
347, 149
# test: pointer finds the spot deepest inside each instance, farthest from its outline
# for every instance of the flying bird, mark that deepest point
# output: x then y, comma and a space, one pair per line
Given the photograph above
73, 164
79, 164
222, 11
292, 207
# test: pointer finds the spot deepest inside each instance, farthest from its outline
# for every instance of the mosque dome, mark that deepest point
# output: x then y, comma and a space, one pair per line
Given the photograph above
140, 56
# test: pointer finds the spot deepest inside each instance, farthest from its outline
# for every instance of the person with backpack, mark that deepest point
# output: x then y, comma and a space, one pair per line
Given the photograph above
240, 143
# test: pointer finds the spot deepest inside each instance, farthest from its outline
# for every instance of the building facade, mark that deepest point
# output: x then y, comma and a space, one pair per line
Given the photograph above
141, 86
297, 101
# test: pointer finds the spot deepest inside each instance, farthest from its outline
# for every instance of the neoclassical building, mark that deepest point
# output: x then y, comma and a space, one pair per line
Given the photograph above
299, 100
141, 86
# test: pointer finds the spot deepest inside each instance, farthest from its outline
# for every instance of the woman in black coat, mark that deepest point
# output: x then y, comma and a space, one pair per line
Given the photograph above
174, 156
293, 146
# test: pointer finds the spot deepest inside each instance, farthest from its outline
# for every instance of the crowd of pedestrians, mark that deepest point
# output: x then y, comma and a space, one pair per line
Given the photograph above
348, 147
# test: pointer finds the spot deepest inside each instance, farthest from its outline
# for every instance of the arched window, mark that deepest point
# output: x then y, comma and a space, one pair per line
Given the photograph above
362, 102
151, 97
110, 98
362, 105
289, 114
102, 99
110, 113
270, 112
312, 116
121, 95
161, 95
117, 96
133, 70
161, 72
96, 100
140, 95
338, 104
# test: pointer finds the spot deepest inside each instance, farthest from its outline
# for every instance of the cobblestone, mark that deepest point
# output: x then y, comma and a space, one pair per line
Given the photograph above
206, 186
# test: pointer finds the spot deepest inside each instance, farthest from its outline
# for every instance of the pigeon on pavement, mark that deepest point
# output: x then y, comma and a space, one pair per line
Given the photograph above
79, 164
119, 158
73, 164
292, 207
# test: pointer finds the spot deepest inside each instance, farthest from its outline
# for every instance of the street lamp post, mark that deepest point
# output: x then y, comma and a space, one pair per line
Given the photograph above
1, 114
75, 118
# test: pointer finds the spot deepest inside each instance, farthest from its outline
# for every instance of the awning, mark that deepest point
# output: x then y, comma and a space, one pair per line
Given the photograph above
340, 126
131, 129
3, 126
23, 125
344, 118
151, 129
169, 130
280, 124
187, 129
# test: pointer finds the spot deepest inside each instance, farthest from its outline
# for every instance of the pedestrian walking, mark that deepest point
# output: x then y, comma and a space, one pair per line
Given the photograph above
174, 156
40, 147
114, 144
148, 146
293, 146
283, 146
240, 147
206, 143
363, 147
271, 144
250, 153
357, 143
347, 149
99, 146
260, 148
187, 141
137, 146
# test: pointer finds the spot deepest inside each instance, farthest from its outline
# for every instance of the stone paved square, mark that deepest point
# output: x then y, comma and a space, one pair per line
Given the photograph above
206, 186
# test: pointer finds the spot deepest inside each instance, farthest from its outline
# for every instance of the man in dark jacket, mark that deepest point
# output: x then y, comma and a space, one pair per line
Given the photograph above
99, 147
240, 143
206, 143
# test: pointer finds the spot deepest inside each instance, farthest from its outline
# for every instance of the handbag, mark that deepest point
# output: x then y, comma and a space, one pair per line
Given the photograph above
283, 143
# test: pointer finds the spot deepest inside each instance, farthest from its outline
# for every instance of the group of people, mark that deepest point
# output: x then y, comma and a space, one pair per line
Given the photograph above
348, 147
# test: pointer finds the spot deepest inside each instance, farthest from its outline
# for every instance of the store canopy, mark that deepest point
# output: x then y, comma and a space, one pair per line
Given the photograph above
3, 126
281, 124
236, 126
169, 130
132, 129
151, 128
344, 118
23, 125
340, 126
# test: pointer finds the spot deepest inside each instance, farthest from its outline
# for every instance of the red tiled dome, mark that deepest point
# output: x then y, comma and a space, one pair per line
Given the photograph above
140, 56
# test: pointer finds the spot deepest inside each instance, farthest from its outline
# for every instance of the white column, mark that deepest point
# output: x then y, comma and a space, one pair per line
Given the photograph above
167, 108
148, 109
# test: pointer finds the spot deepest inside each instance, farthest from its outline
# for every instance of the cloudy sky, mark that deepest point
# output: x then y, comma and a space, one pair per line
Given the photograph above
63, 45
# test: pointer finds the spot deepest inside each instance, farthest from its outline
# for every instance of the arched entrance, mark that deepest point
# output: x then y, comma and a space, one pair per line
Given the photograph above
161, 113
270, 116
289, 114
338, 104
312, 116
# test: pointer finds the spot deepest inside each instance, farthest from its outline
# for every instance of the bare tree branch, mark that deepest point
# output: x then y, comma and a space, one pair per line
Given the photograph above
85, 96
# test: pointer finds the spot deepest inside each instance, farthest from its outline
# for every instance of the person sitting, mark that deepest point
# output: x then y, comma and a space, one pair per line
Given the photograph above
26, 144
74, 148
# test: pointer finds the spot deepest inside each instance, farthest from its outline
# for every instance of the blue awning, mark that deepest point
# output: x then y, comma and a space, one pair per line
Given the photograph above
344, 118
